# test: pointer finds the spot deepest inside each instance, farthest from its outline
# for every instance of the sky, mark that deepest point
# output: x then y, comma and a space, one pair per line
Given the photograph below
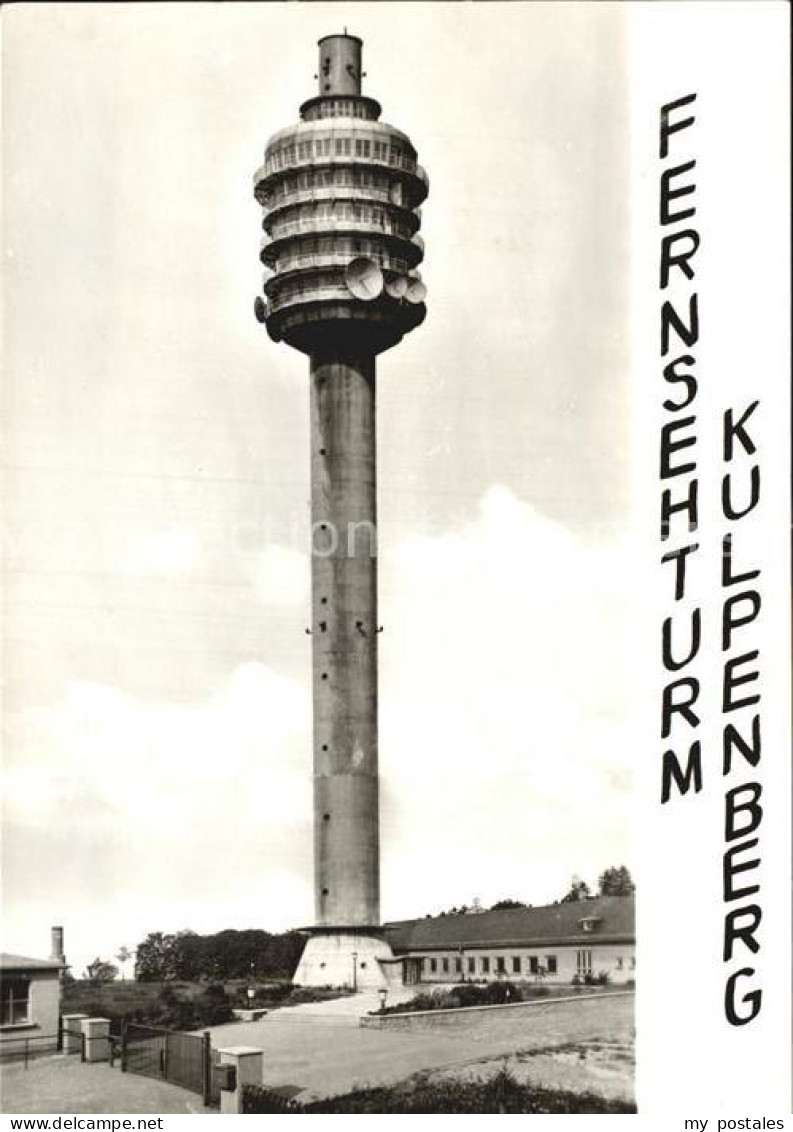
156, 673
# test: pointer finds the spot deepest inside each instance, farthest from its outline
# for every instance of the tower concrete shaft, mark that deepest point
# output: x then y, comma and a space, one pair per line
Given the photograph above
344, 628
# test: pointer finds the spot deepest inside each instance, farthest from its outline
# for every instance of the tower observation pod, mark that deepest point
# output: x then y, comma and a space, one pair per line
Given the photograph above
341, 194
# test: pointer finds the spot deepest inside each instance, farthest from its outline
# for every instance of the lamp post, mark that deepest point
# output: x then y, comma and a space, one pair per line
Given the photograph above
251, 990
355, 970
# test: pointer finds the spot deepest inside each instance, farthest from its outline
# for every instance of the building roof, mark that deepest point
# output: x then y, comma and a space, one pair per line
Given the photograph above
613, 920
24, 963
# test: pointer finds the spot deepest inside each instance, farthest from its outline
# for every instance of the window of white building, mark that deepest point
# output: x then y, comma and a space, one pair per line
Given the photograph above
584, 962
15, 999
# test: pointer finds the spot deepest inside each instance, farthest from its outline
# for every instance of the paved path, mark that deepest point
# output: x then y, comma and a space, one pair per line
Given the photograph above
63, 1085
350, 1007
324, 1052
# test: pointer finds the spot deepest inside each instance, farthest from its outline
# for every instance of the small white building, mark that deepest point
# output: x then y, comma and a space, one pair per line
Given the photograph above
580, 941
30, 1001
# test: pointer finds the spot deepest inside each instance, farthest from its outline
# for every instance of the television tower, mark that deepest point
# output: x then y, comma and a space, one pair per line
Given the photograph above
341, 192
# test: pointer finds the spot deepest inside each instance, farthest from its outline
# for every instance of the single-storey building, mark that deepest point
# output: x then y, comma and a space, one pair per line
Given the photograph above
557, 943
30, 998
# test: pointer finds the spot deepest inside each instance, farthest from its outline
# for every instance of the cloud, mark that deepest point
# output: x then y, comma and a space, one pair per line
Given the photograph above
506, 708
282, 577
504, 744
172, 553
200, 811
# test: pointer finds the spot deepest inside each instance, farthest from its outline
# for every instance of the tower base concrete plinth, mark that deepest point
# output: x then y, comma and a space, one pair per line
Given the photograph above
347, 959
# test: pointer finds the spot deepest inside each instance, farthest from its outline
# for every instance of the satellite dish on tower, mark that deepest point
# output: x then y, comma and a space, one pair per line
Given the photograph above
364, 279
397, 287
260, 309
416, 292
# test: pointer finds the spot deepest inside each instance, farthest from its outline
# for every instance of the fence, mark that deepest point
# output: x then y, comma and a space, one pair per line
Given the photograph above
23, 1049
186, 1060
182, 1059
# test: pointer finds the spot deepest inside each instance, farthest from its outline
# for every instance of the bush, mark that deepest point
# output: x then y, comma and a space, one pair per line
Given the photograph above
500, 1094
470, 994
214, 1006
272, 993
257, 1099
171, 1008
496, 994
285, 994
602, 978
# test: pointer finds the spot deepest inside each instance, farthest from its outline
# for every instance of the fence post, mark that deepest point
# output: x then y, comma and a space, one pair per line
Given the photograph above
249, 1065
71, 1033
27, 1051
123, 1045
206, 1063
96, 1036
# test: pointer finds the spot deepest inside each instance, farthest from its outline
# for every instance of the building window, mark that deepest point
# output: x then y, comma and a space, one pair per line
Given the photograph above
534, 965
446, 966
458, 965
471, 965
633, 962
515, 964
485, 965
620, 962
583, 962
550, 964
500, 965
15, 1002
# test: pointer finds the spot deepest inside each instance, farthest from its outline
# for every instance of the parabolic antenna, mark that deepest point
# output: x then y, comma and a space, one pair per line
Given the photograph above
397, 287
260, 309
416, 292
364, 279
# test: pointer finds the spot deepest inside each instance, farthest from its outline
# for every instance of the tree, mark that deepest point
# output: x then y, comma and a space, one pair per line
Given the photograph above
100, 971
123, 955
507, 904
228, 954
616, 881
156, 958
579, 890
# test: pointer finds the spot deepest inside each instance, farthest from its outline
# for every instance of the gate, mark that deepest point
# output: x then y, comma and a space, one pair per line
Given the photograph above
169, 1055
